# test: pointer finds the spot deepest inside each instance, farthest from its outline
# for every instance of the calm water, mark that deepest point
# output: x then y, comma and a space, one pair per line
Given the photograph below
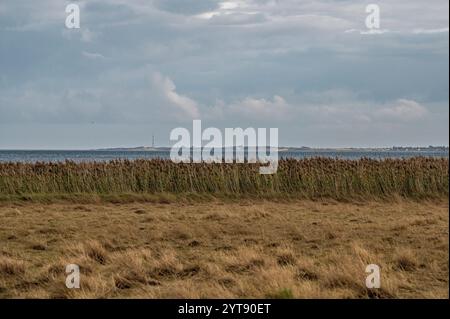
88, 156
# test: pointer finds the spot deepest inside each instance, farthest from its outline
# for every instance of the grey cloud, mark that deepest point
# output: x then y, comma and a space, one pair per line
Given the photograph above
186, 7
223, 62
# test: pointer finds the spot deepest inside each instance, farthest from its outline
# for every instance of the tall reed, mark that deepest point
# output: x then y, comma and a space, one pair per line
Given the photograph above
306, 178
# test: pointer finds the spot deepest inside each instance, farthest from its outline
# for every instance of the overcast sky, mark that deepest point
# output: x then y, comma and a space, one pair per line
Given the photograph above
142, 67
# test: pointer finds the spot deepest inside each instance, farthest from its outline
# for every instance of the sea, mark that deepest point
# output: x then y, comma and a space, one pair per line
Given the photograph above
32, 156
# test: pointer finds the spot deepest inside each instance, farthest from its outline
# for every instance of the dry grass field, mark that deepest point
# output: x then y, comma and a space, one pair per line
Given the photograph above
224, 248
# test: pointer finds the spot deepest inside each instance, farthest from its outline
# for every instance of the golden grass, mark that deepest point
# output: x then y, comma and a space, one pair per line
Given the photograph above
315, 178
300, 249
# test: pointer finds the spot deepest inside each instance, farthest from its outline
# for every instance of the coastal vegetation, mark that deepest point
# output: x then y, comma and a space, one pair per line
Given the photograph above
314, 178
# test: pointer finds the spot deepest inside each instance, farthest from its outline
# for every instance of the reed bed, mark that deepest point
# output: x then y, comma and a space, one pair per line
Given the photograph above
339, 179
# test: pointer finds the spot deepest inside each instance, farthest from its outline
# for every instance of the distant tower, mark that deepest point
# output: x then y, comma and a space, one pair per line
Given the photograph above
153, 140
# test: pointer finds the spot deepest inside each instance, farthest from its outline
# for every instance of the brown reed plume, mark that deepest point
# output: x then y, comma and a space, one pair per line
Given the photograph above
339, 179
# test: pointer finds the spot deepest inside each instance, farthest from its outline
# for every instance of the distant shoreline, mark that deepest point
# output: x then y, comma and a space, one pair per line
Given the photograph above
280, 149
287, 149
418, 149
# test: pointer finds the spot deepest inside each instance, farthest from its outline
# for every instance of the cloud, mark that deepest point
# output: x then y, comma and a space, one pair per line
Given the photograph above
180, 103
368, 31
333, 108
83, 34
343, 107
261, 62
375, 31
403, 110
383, 31
87, 35
92, 55
234, 13
260, 108
430, 31
186, 7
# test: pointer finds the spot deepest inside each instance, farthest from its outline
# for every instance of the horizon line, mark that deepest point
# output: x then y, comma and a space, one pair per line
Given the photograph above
280, 147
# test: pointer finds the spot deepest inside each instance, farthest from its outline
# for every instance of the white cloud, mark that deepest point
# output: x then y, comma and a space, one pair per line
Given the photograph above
83, 34
333, 107
430, 31
225, 8
181, 103
93, 55
405, 32
255, 108
331, 110
87, 35
207, 15
368, 31
403, 110
229, 5
233, 13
